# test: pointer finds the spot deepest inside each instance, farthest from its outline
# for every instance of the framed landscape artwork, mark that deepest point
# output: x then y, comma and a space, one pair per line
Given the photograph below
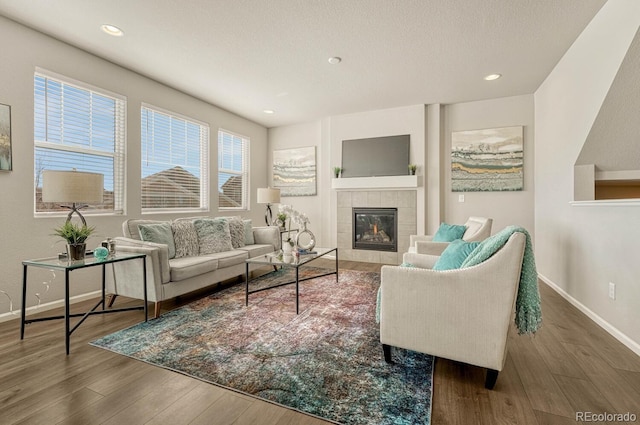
487, 160
5, 138
294, 171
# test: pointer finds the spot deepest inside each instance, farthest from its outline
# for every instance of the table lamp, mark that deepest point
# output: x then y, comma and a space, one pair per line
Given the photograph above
77, 188
268, 196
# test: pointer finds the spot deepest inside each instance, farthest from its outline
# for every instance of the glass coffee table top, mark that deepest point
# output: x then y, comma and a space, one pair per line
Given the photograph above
278, 259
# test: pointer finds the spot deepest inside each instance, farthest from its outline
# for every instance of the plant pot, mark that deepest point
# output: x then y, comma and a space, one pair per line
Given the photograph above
286, 248
76, 251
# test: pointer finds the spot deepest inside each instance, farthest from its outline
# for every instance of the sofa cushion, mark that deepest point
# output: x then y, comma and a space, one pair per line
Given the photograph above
236, 230
158, 233
213, 235
229, 258
449, 232
186, 267
185, 238
454, 255
248, 232
130, 227
256, 250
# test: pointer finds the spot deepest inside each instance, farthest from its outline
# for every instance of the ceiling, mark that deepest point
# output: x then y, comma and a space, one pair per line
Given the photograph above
247, 56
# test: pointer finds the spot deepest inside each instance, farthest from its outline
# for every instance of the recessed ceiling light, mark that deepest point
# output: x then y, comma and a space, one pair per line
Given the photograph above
492, 77
268, 111
112, 30
335, 60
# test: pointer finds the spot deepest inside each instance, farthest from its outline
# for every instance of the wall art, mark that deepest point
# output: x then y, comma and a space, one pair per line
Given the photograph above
487, 160
294, 171
5, 138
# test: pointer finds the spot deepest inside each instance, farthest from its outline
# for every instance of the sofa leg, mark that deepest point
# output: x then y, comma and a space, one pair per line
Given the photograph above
492, 377
387, 353
156, 313
112, 298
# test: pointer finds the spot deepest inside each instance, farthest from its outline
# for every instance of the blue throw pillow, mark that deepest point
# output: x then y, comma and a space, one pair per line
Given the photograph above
454, 255
449, 232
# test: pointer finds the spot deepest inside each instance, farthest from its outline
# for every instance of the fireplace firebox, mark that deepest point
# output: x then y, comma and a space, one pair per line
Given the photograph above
375, 229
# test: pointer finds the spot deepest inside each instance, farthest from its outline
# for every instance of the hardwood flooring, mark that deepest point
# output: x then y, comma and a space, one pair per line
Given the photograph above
570, 365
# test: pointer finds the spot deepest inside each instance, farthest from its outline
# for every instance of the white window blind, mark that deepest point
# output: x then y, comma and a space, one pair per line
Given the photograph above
77, 126
174, 162
233, 171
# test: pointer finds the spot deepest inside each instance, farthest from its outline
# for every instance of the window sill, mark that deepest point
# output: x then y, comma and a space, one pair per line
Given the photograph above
607, 203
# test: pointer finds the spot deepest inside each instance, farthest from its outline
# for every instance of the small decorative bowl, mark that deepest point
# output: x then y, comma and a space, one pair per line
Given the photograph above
101, 253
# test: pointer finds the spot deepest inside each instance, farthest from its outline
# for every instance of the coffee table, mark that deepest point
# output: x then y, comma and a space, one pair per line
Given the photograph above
276, 260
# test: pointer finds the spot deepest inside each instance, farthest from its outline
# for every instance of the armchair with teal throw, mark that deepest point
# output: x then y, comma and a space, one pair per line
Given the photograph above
462, 314
476, 229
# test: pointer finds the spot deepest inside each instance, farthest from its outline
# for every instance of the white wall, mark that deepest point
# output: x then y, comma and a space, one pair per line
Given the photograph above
24, 236
582, 248
506, 208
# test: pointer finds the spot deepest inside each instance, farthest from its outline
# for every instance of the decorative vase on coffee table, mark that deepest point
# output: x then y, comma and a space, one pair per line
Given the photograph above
75, 251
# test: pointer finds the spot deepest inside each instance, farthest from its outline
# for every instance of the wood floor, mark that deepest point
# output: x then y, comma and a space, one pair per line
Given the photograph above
571, 365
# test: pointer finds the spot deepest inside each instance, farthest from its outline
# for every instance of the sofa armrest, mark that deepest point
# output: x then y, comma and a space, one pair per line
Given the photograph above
420, 260
431, 248
268, 235
419, 238
157, 254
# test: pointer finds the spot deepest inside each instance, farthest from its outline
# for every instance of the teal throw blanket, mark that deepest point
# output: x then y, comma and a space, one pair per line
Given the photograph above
528, 312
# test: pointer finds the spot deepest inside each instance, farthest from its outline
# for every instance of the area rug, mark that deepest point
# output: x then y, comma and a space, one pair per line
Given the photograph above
327, 361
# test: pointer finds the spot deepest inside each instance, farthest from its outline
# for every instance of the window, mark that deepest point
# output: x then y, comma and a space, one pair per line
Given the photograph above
233, 171
80, 127
175, 154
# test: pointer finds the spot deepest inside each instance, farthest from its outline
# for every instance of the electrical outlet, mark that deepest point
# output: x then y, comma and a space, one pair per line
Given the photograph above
612, 290
460, 198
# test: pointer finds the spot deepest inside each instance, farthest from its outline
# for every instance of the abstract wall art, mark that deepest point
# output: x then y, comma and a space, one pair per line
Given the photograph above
5, 138
487, 160
294, 171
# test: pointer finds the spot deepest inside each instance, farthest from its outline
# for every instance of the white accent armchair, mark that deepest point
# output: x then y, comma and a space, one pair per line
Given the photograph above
461, 314
478, 229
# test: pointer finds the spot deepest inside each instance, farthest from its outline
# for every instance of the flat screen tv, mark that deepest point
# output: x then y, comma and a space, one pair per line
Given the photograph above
376, 156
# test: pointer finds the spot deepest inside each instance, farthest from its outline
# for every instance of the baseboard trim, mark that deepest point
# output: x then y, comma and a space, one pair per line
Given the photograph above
612, 330
5, 317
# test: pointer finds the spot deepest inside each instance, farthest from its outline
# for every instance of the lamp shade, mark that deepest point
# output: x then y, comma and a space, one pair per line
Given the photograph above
72, 186
268, 196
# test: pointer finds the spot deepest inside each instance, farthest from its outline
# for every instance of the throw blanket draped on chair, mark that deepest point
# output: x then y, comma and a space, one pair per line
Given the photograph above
528, 312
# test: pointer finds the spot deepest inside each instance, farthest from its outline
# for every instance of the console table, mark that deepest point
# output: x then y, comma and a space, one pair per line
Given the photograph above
69, 266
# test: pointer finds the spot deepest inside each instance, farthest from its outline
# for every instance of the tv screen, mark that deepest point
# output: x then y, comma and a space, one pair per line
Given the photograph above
376, 156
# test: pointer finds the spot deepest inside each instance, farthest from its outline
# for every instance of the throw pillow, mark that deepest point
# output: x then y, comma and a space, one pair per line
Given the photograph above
186, 238
158, 233
213, 235
454, 255
449, 232
248, 232
236, 230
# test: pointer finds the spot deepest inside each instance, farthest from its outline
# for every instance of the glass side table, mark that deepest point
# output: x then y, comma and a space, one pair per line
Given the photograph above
54, 263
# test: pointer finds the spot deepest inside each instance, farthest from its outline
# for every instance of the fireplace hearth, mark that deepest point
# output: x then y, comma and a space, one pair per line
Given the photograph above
375, 229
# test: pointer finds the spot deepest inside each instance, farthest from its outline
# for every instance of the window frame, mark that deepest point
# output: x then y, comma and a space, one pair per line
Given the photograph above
118, 154
245, 173
204, 162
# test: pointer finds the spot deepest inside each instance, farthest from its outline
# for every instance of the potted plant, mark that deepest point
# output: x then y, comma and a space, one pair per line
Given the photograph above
412, 169
76, 236
337, 171
282, 220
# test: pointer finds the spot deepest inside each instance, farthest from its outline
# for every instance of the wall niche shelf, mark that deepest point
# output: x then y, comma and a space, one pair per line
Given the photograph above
591, 184
381, 182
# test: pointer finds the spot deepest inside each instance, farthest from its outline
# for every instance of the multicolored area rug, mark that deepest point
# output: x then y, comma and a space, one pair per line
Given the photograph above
327, 361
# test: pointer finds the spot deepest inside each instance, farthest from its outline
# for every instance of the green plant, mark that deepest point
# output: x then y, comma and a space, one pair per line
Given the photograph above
74, 233
413, 168
337, 171
282, 218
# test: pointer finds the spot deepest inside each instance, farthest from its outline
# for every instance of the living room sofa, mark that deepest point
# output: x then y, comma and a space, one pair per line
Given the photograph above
174, 272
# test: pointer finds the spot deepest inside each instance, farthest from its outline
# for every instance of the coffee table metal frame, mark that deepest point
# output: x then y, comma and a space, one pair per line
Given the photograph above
68, 266
274, 260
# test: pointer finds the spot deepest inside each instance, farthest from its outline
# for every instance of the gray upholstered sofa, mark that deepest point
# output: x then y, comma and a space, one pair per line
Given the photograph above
170, 277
